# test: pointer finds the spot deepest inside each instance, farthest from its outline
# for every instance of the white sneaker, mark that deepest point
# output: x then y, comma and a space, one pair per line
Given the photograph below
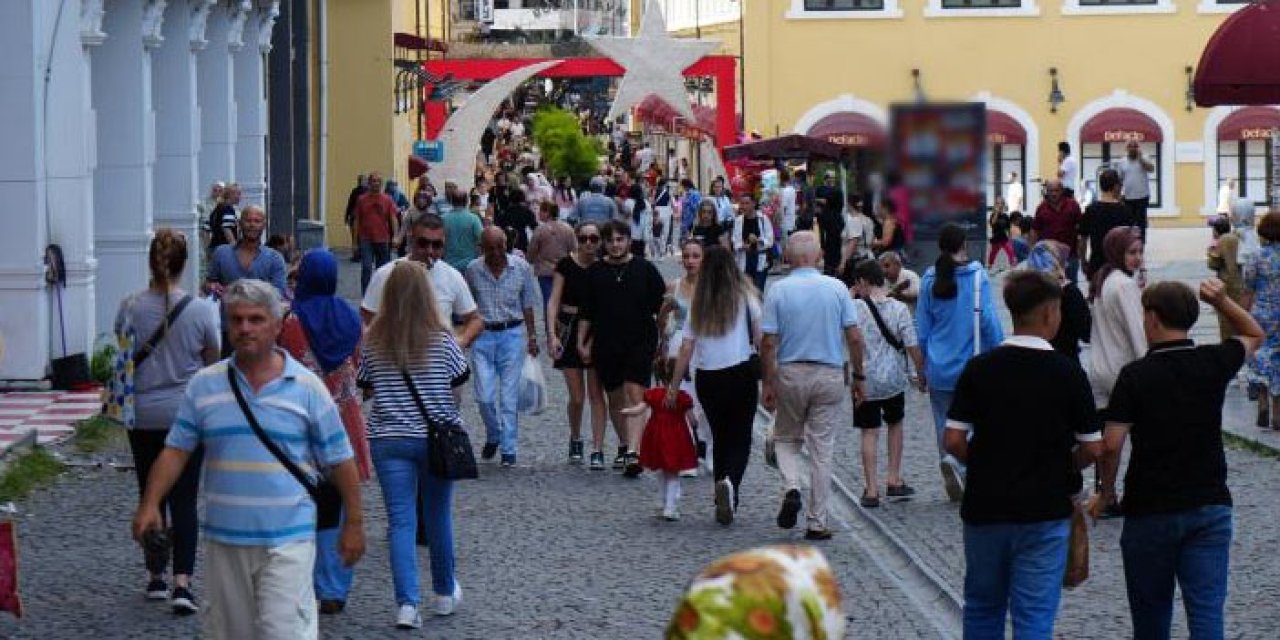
689, 473
724, 502
408, 617
671, 514
445, 605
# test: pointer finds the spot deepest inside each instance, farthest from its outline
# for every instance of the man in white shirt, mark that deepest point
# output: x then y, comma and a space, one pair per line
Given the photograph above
1135, 183
787, 202
1068, 169
859, 232
901, 283
1014, 194
453, 297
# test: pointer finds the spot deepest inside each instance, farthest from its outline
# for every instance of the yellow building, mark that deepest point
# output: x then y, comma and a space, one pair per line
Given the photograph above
832, 68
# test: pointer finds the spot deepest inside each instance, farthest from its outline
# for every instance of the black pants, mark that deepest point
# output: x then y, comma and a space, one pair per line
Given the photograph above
1138, 210
729, 398
179, 507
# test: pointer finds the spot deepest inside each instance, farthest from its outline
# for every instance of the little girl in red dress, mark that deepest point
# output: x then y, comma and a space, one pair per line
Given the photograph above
667, 445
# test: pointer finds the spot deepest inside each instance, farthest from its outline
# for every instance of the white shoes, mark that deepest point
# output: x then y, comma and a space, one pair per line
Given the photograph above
408, 617
445, 605
671, 514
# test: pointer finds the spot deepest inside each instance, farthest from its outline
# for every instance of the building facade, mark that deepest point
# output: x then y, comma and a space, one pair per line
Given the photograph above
1094, 73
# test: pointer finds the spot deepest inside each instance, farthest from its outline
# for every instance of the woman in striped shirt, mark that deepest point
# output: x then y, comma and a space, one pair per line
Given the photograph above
407, 340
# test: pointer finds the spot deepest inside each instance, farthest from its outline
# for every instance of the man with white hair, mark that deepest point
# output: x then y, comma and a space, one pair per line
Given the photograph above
810, 325
260, 520
595, 206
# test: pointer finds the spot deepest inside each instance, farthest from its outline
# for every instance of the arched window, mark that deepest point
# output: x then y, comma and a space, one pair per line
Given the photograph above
1105, 136
1007, 155
1244, 151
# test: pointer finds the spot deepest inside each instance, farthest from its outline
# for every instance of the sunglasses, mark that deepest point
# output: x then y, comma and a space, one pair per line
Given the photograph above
427, 243
589, 238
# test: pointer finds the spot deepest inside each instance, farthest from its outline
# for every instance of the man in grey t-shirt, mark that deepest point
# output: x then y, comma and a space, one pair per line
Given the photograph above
1136, 184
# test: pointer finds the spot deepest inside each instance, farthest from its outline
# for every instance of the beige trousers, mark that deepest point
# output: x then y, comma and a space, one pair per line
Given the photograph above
260, 593
813, 401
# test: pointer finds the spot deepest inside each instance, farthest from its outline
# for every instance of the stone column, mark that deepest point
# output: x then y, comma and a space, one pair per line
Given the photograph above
122, 183
45, 181
251, 101
215, 93
178, 127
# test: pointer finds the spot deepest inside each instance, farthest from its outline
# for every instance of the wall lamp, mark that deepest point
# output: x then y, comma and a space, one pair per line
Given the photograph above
1190, 96
915, 83
1056, 97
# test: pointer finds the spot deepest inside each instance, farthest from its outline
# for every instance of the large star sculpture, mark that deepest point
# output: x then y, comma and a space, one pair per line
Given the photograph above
655, 63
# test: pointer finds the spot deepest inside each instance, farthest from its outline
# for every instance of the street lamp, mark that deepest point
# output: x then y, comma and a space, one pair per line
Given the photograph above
1056, 97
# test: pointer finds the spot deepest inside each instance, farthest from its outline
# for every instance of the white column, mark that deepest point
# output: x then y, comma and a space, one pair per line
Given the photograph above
122, 183
251, 102
215, 92
173, 83
45, 181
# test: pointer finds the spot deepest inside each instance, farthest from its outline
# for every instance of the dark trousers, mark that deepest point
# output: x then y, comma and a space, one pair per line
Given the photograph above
179, 507
729, 398
1138, 210
372, 256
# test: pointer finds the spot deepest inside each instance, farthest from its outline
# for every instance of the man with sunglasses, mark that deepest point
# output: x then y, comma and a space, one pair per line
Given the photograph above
618, 330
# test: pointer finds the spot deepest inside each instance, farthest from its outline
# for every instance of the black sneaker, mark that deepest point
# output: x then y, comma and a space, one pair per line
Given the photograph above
620, 461
903, 490
575, 451
332, 607
597, 461
633, 468
183, 601
489, 451
790, 509
157, 590
818, 534
508, 460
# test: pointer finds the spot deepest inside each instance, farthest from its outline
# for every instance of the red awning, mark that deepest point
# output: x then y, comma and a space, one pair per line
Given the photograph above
849, 129
1003, 129
654, 111
788, 147
1250, 123
1238, 66
418, 43
417, 167
1121, 125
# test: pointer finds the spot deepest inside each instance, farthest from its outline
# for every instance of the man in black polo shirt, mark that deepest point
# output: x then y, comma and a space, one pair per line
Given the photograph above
618, 331
1176, 504
1024, 465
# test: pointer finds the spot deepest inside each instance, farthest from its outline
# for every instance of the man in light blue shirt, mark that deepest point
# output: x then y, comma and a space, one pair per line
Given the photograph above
260, 521
809, 325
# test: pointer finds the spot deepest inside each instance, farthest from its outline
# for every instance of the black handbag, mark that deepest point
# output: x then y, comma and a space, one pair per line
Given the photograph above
753, 361
449, 452
323, 492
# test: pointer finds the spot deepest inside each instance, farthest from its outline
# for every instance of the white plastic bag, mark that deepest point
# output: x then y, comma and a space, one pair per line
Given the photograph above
533, 387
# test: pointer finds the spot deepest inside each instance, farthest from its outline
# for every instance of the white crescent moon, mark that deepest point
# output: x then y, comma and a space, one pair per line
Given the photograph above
462, 131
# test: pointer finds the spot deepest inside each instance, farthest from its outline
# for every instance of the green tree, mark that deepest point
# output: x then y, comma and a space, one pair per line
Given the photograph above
565, 149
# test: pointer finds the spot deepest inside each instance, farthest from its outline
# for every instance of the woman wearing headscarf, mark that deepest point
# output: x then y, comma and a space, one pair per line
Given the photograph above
1050, 256
769, 592
1262, 286
322, 331
1117, 336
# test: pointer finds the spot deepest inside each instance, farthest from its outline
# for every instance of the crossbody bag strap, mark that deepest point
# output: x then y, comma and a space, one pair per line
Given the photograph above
143, 352
417, 399
271, 446
888, 335
977, 312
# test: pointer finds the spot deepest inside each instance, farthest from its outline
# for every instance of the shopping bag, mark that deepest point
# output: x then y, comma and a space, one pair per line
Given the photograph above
9, 600
1078, 545
533, 387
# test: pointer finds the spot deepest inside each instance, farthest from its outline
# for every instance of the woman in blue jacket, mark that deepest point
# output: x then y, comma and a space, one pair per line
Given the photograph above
945, 319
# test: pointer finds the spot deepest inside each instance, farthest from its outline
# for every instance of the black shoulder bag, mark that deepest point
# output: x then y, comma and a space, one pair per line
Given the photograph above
143, 352
323, 492
754, 367
884, 328
449, 452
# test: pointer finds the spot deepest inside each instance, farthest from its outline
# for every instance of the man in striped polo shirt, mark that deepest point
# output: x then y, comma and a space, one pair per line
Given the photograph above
259, 522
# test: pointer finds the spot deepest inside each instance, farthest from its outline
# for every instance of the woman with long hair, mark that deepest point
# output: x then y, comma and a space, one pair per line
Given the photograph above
323, 332
672, 319
720, 339
1050, 257
951, 331
184, 334
563, 194
410, 364
569, 283
707, 230
1117, 337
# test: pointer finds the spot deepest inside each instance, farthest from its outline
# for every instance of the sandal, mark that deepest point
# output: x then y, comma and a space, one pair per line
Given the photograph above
869, 502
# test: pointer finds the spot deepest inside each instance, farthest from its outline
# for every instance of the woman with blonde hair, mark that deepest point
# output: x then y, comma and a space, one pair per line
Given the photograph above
410, 364
181, 334
720, 340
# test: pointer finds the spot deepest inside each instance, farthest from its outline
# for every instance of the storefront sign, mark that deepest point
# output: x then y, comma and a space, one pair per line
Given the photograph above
484, 11
1255, 134
997, 138
849, 139
1120, 135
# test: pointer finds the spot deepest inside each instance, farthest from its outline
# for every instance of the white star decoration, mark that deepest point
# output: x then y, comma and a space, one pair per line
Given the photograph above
655, 63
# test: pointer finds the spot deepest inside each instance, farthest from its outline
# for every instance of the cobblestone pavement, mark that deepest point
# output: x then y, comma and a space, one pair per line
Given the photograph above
549, 550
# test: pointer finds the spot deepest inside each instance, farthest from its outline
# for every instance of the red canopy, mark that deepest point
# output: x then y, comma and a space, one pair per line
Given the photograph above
654, 111
788, 147
1238, 66
1121, 125
1003, 129
849, 129
1249, 123
417, 167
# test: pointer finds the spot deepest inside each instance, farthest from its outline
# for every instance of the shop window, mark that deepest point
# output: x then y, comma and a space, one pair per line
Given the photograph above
1249, 163
1097, 156
1096, 7
843, 9
843, 5
980, 8
1006, 159
1108, 3
980, 4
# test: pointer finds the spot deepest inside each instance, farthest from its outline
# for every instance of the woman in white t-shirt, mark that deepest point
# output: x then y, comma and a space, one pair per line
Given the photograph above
720, 340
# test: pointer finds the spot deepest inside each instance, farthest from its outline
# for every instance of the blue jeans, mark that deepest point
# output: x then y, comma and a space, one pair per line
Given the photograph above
940, 403
496, 359
1192, 546
332, 579
545, 283
1014, 568
372, 256
398, 462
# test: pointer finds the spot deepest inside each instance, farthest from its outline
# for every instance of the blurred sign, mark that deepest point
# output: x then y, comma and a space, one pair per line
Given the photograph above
484, 11
939, 150
429, 150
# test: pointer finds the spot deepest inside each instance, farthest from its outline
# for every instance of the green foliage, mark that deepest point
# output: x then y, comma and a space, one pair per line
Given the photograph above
27, 472
95, 434
565, 149
103, 364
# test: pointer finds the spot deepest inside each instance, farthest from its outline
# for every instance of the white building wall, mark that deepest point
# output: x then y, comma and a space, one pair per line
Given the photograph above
251, 103
215, 93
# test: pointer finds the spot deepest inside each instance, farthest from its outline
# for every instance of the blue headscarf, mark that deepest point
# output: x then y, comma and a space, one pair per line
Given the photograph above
331, 324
